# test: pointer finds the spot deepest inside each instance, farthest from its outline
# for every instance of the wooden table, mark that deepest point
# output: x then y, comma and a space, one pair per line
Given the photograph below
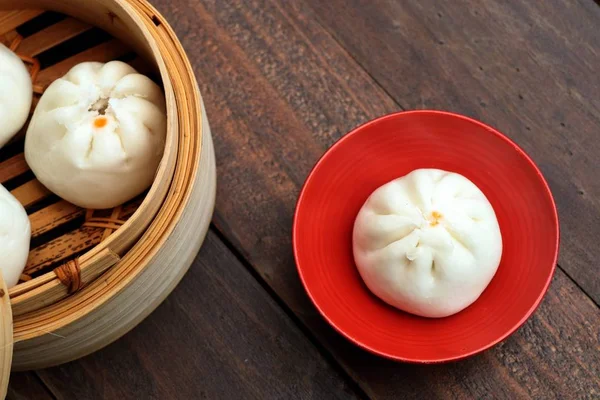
282, 81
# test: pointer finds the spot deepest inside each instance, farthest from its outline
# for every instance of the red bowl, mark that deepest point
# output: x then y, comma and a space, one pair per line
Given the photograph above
390, 147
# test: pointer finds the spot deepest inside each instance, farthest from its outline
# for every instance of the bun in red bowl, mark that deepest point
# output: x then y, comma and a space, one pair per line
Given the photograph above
390, 147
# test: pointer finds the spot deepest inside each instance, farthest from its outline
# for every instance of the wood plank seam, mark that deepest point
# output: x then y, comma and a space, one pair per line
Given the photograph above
579, 286
327, 355
355, 60
46, 387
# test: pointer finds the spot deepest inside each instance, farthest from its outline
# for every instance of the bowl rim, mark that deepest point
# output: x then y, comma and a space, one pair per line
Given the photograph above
356, 130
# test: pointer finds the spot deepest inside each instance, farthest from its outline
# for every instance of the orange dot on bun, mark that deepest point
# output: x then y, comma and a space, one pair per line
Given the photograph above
100, 122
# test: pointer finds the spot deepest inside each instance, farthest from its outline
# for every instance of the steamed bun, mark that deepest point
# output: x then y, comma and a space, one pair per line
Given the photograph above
97, 135
427, 243
15, 234
15, 94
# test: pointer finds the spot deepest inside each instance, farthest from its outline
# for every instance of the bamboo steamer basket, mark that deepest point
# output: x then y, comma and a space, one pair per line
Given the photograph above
93, 275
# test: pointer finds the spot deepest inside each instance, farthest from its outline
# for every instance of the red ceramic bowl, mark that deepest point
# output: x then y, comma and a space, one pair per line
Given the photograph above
390, 147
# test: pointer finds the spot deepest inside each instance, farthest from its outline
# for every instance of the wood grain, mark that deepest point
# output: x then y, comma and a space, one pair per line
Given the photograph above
527, 68
62, 248
10, 19
31, 193
27, 386
218, 336
279, 90
53, 216
13, 167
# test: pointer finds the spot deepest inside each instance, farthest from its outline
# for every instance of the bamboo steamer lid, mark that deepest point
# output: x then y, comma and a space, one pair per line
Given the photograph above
133, 268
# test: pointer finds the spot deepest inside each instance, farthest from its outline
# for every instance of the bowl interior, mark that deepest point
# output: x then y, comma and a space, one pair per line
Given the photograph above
390, 147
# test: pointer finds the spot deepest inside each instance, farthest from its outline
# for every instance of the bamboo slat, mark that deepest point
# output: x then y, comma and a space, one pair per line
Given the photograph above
9, 20
13, 167
31, 193
52, 36
53, 216
62, 248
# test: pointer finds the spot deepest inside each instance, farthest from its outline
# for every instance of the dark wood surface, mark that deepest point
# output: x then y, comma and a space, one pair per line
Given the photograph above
225, 335
282, 81
27, 385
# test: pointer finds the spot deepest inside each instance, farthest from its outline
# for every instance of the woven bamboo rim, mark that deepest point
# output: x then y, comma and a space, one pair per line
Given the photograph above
106, 308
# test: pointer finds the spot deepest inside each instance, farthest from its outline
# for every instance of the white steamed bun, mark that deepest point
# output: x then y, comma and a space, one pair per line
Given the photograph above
15, 234
427, 243
97, 135
15, 94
